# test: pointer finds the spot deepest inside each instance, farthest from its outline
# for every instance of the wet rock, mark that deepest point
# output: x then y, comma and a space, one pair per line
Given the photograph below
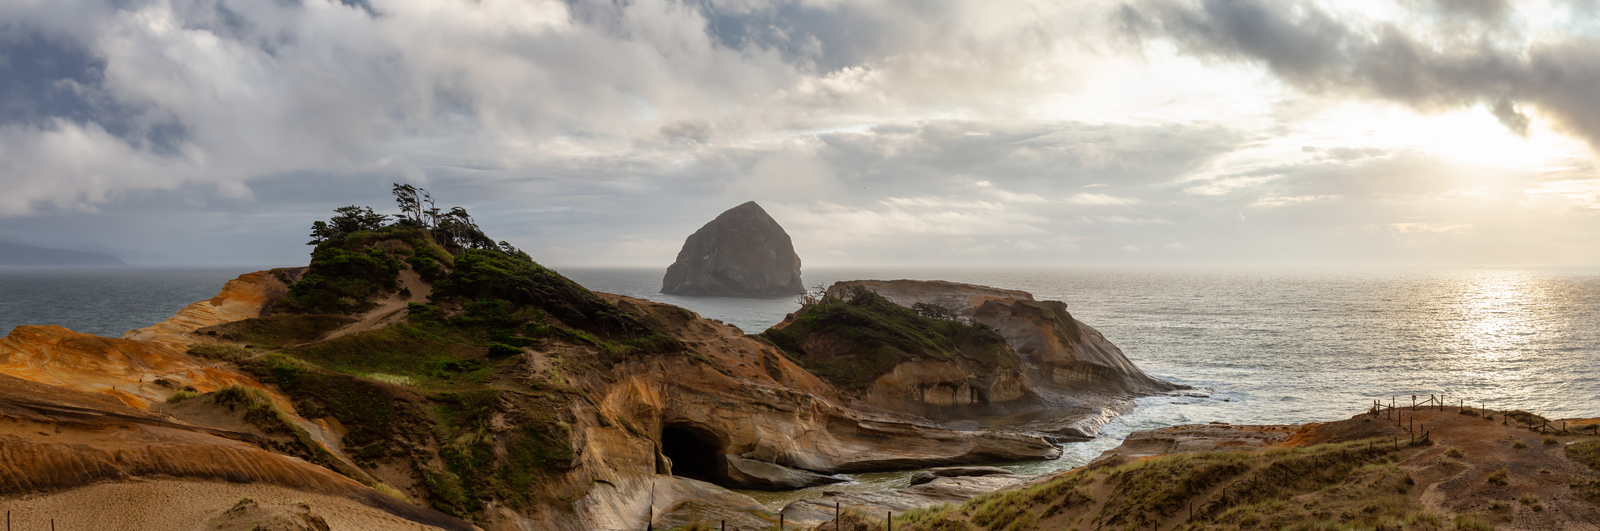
927, 476
761, 475
741, 253
1195, 438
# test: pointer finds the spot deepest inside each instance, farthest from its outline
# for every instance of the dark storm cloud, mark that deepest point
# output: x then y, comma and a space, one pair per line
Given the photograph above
1558, 74
44, 79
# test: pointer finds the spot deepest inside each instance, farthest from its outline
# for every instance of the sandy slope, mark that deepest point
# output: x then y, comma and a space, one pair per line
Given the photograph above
172, 504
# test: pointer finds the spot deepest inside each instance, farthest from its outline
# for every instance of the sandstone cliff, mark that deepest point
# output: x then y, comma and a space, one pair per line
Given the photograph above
887, 356
78, 409
741, 253
1062, 352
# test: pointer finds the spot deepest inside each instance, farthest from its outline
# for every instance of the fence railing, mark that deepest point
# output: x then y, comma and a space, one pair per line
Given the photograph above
1405, 416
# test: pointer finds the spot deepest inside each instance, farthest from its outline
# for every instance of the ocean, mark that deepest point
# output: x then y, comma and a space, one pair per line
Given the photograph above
104, 301
1269, 345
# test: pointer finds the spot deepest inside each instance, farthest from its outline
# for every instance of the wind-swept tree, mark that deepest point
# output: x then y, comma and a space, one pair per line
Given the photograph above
455, 230
349, 219
407, 196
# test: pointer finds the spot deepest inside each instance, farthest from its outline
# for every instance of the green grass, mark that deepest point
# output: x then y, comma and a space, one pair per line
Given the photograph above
278, 331
1586, 452
384, 420
1472, 523
881, 335
936, 518
180, 396
426, 359
219, 352
1264, 489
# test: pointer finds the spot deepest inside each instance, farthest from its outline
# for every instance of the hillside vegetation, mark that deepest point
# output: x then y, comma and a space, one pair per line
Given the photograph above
1479, 472
449, 397
853, 340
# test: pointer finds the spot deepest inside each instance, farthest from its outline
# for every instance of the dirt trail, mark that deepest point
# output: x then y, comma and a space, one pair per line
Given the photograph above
1460, 484
391, 309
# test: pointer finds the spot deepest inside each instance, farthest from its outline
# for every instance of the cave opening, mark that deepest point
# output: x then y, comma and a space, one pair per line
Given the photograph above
695, 452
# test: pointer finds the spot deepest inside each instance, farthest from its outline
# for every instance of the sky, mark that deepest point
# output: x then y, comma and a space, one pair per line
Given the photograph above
877, 132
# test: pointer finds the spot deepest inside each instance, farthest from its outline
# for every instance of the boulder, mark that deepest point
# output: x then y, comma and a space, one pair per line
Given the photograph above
761, 475
742, 253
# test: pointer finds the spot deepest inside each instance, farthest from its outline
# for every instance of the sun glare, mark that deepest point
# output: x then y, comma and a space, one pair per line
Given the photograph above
1471, 136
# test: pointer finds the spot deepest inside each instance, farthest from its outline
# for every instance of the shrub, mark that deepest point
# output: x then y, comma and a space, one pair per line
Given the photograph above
1526, 418
1531, 501
1586, 452
342, 281
1453, 452
1550, 441
501, 350
1499, 477
1518, 444
180, 396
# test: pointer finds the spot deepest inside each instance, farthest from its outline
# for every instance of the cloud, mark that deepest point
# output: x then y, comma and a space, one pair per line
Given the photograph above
223, 93
1426, 65
876, 131
1101, 200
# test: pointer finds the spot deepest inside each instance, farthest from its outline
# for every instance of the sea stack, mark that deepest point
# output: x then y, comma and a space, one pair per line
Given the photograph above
742, 253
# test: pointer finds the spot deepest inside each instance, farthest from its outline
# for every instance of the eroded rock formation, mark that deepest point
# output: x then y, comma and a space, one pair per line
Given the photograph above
739, 400
1063, 352
741, 253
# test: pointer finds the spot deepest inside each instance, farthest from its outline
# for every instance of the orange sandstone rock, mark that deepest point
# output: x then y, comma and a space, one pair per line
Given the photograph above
242, 298
125, 369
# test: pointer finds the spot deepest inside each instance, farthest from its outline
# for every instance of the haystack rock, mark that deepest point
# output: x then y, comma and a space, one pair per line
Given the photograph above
742, 253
